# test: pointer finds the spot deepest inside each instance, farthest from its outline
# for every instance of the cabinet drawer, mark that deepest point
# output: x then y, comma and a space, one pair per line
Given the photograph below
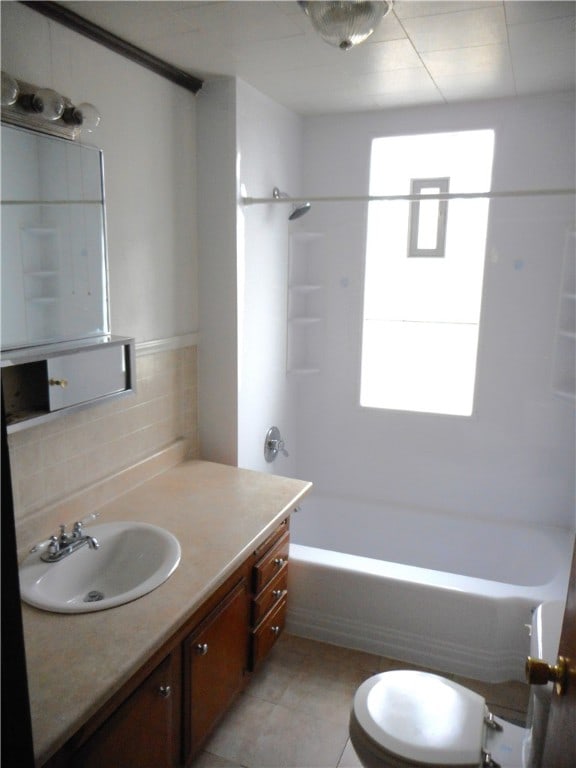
270, 595
272, 539
270, 564
264, 637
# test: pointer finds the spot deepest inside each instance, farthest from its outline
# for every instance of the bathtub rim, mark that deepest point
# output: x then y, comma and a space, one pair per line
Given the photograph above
314, 613
554, 589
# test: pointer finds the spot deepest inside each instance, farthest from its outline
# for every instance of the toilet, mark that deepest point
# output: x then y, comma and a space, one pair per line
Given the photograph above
411, 719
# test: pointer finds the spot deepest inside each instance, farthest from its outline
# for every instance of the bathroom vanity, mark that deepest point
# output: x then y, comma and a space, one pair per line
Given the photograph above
146, 683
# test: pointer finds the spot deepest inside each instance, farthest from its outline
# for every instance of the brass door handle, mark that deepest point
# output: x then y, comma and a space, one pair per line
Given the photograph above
539, 672
58, 383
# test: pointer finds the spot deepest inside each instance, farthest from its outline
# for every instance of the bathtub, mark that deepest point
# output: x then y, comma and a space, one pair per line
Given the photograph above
439, 590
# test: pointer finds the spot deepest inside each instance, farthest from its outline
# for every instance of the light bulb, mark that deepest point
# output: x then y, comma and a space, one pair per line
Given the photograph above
31, 102
90, 117
53, 103
10, 90
72, 116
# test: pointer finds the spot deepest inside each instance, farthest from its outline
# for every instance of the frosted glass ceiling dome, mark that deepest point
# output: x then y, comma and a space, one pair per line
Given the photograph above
345, 24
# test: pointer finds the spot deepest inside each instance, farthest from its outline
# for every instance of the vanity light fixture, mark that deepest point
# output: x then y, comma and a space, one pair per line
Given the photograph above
45, 109
345, 24
10, 90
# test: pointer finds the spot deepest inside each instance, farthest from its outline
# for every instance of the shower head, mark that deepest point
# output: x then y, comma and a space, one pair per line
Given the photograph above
298, 209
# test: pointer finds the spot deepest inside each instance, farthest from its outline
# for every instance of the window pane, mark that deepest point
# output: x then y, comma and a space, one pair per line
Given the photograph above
427, 367
428, 221
422, 315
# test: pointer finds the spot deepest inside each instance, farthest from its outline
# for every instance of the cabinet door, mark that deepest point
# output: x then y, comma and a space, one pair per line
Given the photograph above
215, 661
86, 376
142, 731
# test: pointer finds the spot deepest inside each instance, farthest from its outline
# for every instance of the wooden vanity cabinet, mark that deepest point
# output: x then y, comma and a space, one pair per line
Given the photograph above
163, 716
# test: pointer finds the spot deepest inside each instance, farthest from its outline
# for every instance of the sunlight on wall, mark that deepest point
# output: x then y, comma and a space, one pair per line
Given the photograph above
422, 313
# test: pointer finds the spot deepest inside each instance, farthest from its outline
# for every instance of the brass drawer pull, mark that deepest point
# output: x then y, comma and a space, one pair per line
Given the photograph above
275, 630
165, 691
58, 383
279, 561
202, 649
277, 593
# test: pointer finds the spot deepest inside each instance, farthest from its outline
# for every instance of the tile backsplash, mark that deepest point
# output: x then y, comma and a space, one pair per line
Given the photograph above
53, 461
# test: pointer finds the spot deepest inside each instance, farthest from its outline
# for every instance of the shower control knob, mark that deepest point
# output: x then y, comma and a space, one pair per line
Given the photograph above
274, 444
539, 672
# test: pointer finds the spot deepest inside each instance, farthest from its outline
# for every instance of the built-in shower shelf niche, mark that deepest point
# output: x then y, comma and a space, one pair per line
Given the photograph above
564, 375
305, 312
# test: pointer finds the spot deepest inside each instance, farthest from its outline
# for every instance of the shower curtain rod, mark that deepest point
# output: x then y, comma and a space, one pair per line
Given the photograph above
408, 198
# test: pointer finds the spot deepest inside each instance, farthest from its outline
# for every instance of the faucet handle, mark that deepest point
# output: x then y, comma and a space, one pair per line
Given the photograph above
77, 529
53, 545
63, 538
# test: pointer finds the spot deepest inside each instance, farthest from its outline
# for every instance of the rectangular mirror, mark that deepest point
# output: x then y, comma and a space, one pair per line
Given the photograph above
54, 272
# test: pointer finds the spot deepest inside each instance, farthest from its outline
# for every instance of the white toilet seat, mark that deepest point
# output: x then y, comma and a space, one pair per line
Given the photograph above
421, 719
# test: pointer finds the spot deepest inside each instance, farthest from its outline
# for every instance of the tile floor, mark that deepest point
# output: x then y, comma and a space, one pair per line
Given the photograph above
294, 713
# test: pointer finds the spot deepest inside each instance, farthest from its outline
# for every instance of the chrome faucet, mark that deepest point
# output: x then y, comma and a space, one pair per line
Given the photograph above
64, 544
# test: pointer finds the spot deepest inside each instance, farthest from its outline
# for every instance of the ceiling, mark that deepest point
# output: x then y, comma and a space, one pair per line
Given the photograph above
424, 51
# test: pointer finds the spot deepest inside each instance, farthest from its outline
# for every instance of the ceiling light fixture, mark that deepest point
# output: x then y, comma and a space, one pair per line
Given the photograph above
345, 24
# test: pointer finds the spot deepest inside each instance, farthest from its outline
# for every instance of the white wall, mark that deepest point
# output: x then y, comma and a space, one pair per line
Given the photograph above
269, 141
515, 457
244, 140
147, 134
218, 345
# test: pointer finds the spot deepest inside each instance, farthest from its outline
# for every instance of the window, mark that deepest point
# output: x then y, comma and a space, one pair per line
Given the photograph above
427, 229
422, 315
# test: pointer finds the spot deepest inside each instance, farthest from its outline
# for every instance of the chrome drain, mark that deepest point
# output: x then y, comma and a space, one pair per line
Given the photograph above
94, 596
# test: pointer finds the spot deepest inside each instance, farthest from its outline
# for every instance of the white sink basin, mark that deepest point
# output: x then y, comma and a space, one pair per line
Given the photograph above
132, 560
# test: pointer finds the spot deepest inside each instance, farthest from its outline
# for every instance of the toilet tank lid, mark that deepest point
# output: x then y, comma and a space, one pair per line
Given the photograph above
422, 717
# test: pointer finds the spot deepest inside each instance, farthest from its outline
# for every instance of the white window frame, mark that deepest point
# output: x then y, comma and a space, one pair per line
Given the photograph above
440, 185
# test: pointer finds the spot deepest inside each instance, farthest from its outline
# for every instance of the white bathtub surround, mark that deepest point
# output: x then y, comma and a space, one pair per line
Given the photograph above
514, 458
446, 592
